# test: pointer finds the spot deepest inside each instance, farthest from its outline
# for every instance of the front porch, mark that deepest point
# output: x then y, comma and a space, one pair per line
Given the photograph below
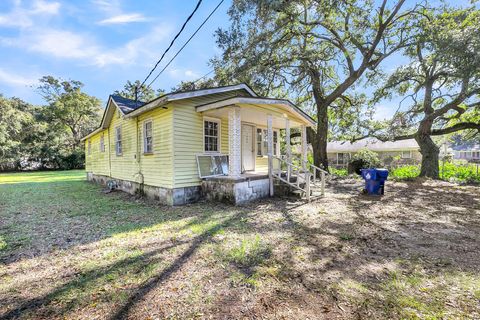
259, 132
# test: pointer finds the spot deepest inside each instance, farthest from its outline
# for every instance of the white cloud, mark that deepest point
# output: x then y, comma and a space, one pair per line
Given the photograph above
114, 13
62, 44
183, 74
78, 46
145, 47
123, 19
55, 43
44, 7
23, 17
14, 79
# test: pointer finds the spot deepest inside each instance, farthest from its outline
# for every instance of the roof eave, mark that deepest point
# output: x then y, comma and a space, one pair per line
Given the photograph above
246, 100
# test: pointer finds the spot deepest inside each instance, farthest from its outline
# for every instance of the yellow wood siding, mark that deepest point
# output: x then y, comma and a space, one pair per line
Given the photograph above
177, 139
124, 166
261, 164
188, 141
157, 168
95, 160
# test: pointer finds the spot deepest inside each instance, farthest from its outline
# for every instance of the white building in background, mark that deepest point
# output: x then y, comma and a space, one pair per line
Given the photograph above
469, 152
403, 151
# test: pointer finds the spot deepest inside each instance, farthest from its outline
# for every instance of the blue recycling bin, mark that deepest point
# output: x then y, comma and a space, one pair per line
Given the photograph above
375, 180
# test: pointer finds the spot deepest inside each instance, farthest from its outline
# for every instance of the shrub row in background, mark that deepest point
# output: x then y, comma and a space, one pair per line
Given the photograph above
465, 173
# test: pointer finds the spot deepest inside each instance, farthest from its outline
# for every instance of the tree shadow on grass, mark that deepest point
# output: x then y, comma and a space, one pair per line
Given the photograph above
60, 215
133, 265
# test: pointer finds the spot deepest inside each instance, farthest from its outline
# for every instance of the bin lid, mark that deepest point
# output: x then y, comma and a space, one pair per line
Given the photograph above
382, 173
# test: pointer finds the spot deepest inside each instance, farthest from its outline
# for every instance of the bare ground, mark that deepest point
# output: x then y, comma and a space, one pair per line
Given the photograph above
73, 252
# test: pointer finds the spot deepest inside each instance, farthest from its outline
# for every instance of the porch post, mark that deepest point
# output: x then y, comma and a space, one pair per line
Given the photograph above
288, 146
270, 151
304, 147
234, 142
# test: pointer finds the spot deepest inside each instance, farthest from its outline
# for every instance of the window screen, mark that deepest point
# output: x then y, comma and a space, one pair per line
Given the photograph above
212, 165
148, 137
102, 143
211, 136
118, 140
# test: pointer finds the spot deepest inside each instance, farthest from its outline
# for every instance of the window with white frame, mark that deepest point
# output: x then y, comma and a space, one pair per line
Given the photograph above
89, 146
406, 154
148, 136
262, 143
118, 140
343, 157
102, 143
211, 135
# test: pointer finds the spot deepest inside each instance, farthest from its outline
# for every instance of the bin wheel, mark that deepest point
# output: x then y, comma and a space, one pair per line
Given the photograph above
364, 191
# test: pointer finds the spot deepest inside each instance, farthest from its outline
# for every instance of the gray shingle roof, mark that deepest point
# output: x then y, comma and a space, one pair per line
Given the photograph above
467, 147
125, 104
372, 144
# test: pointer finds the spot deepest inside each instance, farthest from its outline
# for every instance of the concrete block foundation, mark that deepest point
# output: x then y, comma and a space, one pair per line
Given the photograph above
236, 191
169, 196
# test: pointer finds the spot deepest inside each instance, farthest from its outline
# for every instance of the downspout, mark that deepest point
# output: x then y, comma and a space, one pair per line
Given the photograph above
137, 156
109, 155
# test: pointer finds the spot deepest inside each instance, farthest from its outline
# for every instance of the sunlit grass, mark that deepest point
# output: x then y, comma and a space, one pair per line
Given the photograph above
89, 252
42, 176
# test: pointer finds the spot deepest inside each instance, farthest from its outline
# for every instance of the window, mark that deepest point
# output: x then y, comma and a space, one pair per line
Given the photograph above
406, 154
343, 158
118, 140
148, 137
89, 146
259, 142
262, 142
211, 135
102, 143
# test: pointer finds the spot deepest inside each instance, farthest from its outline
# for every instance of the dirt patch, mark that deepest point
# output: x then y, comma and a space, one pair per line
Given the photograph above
412, 253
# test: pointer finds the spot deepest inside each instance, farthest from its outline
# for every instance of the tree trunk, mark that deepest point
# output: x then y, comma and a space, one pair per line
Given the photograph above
319, 137
429, 150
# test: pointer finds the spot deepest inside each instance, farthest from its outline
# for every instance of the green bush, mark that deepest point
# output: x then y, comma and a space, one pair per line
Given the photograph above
462, 173
405, 172
448, 171
339, 172
364, 159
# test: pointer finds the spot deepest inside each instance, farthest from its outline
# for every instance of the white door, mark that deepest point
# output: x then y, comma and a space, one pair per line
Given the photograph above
248, 148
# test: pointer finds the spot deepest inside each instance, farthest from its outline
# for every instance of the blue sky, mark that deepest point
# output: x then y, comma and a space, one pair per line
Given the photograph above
104, 43
101, 43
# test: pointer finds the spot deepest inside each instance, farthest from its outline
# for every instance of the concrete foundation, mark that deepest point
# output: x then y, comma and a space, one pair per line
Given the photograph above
235, 190
169, 196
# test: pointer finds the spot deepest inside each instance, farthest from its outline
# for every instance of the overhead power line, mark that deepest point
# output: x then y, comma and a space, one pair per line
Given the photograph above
185, 44
173, 41
204, 76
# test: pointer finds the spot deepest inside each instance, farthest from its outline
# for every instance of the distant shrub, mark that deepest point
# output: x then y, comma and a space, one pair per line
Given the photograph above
339, 172
461, 173
405, 172
466, 173
364, 159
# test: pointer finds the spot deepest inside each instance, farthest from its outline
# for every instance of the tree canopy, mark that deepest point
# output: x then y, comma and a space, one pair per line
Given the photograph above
144, 93
47, 136
316, 52
440, 83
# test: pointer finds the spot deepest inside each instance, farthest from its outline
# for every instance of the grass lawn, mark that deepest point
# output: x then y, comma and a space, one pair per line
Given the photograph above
70, 251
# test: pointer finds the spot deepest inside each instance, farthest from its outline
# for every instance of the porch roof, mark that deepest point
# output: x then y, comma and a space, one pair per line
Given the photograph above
284, 108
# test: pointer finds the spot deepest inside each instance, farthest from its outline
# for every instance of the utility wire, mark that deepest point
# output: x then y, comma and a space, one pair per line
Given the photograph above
203, 77
171, 43
185, 44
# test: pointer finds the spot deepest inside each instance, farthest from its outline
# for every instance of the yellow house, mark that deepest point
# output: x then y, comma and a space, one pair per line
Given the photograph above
218, 143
